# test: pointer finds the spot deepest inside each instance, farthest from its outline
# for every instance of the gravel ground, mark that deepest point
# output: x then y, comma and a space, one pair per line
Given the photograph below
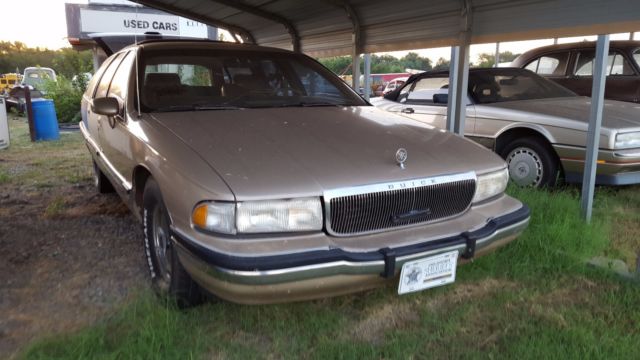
65, 264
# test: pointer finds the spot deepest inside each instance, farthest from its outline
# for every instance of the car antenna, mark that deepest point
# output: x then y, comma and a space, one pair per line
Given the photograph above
135, 40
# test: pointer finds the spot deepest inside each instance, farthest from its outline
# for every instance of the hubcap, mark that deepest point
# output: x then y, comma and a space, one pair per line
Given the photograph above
161, 243
525, 167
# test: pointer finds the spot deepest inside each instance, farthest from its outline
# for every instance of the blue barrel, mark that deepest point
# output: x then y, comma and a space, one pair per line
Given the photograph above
45, 122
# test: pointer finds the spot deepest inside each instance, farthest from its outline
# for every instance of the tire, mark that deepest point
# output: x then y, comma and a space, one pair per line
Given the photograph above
531, 162
100, 180
169, 279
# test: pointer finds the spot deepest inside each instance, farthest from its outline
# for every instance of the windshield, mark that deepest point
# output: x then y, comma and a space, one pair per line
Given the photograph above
224, 79
636, 57
498, 85
36, 77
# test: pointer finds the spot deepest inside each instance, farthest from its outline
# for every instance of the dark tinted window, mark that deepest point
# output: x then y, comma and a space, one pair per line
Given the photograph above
103, 85
200, 79
511, 85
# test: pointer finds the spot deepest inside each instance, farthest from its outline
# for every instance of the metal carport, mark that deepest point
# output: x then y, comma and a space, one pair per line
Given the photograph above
342, 27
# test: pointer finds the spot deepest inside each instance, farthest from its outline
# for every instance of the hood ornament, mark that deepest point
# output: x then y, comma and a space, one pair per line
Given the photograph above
401, 157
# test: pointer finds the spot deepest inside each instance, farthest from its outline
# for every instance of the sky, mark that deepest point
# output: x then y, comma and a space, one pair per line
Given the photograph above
47, 28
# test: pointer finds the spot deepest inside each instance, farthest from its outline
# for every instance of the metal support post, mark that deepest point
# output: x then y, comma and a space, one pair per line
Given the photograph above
367, 76
453, 89
595, 120
355, 71
496, 59
458, 88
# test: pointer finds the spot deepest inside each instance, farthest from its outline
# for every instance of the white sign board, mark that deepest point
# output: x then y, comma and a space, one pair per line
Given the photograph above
4, 126
98, 21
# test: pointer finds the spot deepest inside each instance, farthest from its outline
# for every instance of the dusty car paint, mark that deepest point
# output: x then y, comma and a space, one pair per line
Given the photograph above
282, 153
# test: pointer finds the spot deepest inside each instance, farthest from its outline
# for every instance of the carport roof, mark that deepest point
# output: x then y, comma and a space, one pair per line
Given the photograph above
333, 27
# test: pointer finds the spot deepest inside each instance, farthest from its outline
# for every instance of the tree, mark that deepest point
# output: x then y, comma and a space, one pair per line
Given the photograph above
442, 64
487, 60
414, 61
65, 61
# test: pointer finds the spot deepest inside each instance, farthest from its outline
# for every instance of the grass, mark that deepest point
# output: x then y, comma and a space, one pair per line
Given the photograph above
534, 298
42, 164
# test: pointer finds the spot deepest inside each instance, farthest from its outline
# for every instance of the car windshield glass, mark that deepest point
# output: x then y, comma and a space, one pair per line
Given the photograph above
225, 80
636, 57
498, 85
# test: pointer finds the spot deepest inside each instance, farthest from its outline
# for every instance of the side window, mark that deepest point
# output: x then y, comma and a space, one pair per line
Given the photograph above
103, 85
91, 86
120, 82
550, 64
616, 64
424, 90
533, 66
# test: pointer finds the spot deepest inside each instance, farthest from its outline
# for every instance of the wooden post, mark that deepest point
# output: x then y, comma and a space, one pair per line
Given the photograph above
29, 110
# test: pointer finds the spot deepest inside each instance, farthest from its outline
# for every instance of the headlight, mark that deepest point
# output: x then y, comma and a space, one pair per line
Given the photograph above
491, 184
267, 216
627, 140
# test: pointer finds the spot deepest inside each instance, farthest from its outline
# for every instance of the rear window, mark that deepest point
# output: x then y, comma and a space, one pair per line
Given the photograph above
493, 86
208, 79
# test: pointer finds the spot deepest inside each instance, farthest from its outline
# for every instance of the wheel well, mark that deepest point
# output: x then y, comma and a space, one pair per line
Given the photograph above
518, 133
140, 176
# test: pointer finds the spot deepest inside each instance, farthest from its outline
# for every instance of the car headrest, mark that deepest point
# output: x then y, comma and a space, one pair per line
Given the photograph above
249, 81
162, 81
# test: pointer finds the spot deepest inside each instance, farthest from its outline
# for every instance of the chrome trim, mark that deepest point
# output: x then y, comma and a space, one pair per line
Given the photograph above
630, 153
328, 195
277, 276
125, 184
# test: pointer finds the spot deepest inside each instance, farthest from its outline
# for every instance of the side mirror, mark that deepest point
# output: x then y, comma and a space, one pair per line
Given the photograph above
108, 106
440, 98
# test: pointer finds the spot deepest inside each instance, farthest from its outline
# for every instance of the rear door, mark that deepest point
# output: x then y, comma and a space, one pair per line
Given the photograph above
621, 83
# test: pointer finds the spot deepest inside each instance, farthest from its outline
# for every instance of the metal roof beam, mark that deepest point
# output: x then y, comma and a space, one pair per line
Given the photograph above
244, 33
253, 10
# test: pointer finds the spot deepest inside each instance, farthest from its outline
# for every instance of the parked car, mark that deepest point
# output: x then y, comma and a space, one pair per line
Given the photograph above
394, 84
35, 76
261, 177
8, 82
571, 66
16, 98
536, 125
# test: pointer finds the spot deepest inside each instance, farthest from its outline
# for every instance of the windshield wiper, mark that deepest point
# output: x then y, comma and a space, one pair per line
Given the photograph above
195, 108
311, 104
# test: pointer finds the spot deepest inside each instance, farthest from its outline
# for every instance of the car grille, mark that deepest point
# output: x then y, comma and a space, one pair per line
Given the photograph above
400, 204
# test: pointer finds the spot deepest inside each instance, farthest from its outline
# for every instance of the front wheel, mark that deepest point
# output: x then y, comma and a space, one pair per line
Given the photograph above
168, 276
531, 163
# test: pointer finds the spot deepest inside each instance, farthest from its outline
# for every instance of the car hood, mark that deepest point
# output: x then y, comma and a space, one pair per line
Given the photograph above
293, 152
616, 114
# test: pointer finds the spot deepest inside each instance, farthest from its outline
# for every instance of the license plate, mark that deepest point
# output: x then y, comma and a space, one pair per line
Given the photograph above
427, 273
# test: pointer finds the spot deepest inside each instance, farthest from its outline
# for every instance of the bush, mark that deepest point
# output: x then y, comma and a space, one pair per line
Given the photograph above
66, 96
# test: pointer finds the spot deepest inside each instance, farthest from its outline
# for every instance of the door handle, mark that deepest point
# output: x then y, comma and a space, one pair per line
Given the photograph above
407, 111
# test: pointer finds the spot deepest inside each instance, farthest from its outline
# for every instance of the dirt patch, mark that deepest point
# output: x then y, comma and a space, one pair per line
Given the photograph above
464, 292
372, 328
69, 257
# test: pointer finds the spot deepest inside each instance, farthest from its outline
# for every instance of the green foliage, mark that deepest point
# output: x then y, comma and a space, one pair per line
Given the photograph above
487, 60
441, 64
66, 95
15, 56
382, 64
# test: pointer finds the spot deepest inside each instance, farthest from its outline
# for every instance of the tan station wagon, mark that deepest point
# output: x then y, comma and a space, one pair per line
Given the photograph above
260, 177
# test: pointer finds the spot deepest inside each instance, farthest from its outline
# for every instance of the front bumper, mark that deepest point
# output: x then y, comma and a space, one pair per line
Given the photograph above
323, 273
615, 167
